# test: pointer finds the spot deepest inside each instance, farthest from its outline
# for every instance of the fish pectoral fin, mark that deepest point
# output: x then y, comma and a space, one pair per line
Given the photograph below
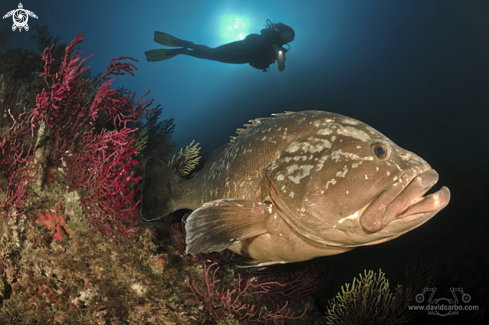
222, 223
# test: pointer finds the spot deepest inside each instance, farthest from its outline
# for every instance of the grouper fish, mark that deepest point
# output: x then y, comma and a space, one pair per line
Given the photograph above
297, 186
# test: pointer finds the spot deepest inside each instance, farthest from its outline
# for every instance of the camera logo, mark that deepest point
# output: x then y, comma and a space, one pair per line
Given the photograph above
443, 306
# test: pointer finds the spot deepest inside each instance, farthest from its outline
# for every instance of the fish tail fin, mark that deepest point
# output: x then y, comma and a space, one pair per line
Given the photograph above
160, 190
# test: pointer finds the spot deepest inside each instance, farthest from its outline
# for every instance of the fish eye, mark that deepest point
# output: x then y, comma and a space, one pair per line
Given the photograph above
380, 150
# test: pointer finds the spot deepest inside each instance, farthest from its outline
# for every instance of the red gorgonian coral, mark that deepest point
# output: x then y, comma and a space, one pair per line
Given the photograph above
97, 162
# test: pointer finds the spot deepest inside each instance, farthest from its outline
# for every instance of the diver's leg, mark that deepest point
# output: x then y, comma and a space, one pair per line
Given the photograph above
227, 53
198, 51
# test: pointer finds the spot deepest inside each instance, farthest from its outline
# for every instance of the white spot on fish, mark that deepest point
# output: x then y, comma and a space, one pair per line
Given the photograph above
292, 169
269, 209
352, 216
319, 145
366, 177
332, 181
280, 177
293, 147
395, 178
321, 161
342, 173
376, 169
322, 122
291, 194
350, 121
355, 165
388, 173
325, 131
347, 192
358, 147
304, 170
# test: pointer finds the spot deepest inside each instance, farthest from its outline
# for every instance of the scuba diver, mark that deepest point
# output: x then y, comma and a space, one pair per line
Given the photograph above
258, 50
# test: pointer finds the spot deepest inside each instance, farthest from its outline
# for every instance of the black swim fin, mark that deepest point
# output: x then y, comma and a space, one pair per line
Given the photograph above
169, 40
160, 55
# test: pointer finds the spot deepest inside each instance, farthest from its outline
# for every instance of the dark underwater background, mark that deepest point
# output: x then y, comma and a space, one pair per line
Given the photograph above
416, 70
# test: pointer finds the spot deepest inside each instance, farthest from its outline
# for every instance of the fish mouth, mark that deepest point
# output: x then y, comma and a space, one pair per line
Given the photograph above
396, 202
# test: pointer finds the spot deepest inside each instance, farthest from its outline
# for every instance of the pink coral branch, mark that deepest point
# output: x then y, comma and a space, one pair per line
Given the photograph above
98, 163
221, 302
17, 188
17, 166
66, 107
101, 165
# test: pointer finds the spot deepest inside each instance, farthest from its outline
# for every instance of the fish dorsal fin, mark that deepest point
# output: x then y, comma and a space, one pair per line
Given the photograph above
253, 123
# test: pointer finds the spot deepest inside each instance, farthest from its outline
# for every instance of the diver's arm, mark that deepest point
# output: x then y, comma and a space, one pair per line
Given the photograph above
280, 55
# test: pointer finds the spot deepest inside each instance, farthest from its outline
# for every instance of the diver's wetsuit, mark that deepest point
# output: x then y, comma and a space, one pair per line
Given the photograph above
257, 50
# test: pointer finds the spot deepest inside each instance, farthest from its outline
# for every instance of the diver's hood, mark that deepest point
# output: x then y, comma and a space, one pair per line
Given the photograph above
287, 34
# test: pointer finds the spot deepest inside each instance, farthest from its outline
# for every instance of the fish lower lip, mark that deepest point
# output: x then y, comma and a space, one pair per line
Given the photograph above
396, 203
412, 200
434, 201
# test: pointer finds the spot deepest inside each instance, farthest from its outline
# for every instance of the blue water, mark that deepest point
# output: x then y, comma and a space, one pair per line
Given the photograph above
416, 70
